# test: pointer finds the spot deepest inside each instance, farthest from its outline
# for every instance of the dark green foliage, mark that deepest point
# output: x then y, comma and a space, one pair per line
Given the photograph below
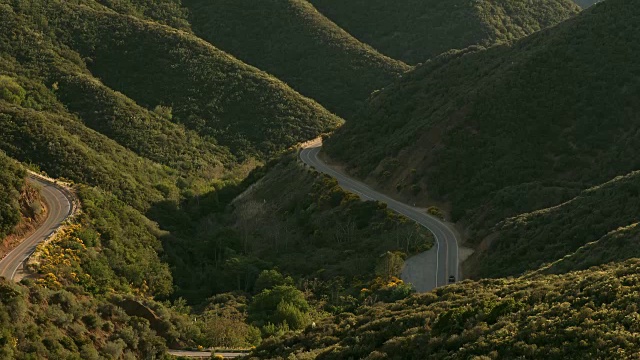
580, 315
283, 304
269, 279
125, 242
416, 30
210, 92
555, 113
63, 147
149, 134
297, 221
39, 323
59, 116
169, 12
586, 3
290, 39
617, 245
11, 91
11, 184
224, 323
562, 235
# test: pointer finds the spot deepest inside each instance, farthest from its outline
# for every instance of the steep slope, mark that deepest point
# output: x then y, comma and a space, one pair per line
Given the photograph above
291, 40
581, 315
502, 131
586, 3
45, 323
294, 220
416, 30
204, 116
209, 91
168, 12
11, 184
593, 228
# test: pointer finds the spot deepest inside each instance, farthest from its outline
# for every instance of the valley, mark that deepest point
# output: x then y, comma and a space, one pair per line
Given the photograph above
319, 179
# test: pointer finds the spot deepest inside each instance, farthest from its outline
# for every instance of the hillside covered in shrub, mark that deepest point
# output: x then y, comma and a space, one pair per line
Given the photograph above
581, 315
199, 226
596, 227
416, 30
11, 184
493, 133
107, 99
291, 219
293, 41
586, 3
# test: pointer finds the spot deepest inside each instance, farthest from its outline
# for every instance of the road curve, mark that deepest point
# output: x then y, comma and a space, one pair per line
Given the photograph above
446, 263
59, 208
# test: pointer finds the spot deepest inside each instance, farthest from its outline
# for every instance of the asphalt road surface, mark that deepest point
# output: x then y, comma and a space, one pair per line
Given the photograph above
203, 354
446, 247
59, 208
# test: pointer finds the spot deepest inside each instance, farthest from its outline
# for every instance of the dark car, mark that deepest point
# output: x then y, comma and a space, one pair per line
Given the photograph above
452, 279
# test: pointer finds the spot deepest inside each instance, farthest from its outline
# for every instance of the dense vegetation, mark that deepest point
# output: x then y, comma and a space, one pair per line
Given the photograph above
289, 213
153, 122
92, 295
580, 315
169, 12
208, 115
586, 3
416, 30
42, 323
594, 228
11, 184
510, 129
293, 41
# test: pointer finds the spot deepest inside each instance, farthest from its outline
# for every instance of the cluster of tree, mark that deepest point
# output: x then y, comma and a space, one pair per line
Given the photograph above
306, 50
38, 322
586, 314
92, 294
292, 219
168, 12
106, 94
586, 3
591, 229
510, 129
11, 184
208, 115
416, 30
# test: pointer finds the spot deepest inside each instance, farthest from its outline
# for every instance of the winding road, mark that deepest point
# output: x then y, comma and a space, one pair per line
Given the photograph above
440, 262
59, 208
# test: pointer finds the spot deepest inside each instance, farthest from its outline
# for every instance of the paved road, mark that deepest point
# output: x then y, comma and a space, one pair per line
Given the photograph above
59, 208
446, 260
203, 354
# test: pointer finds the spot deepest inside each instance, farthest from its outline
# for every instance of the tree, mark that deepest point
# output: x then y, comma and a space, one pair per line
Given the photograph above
269, 279
390, 264
11, 91
281, 304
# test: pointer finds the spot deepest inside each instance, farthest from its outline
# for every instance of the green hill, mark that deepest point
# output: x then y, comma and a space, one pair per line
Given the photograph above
416, 30
293, 41
586, 3
492, 133
291, 219
184, 110
11, 184
594, 228
168, 12
208, 91
581, 315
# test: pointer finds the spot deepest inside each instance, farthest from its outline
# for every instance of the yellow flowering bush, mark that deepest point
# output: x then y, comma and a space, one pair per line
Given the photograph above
59, 259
